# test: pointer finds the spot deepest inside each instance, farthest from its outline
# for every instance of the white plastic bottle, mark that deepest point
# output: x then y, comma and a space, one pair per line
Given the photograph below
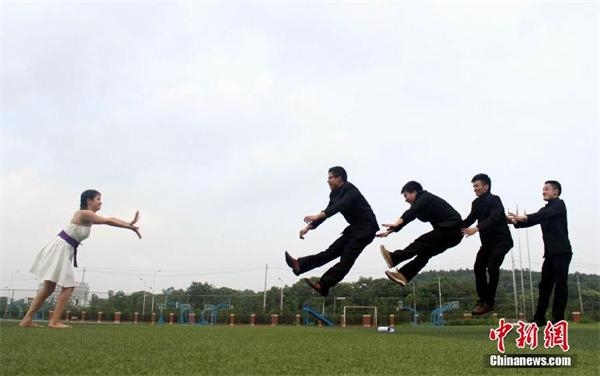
385, 329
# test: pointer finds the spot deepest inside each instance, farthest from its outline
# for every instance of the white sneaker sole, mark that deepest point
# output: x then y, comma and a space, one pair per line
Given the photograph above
398, 281
386, 256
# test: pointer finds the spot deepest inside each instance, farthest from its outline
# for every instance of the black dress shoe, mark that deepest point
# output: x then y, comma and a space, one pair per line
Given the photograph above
318, 287
539, 323
476, 309
482, 308
292, 263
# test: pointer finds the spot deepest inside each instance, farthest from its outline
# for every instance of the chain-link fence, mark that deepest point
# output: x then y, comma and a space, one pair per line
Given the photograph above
260, 308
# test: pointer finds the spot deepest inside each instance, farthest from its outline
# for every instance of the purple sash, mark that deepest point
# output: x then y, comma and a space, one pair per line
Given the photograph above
72, 242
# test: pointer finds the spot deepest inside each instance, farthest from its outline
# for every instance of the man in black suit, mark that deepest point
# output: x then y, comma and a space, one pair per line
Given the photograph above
488, 211
446, 232
557, 251
344, 198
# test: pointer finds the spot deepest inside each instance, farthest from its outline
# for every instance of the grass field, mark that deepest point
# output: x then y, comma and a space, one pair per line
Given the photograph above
126, 349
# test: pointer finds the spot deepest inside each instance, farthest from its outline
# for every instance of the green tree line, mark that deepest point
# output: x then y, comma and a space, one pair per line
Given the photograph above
422, 294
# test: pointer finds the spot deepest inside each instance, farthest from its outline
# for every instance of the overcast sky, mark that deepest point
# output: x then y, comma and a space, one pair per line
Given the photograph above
219, 123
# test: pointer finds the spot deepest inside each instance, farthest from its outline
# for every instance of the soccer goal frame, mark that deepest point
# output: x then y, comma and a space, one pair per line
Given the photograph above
373, 308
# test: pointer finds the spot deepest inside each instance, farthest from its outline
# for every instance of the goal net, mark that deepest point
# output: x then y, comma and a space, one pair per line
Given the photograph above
355, 315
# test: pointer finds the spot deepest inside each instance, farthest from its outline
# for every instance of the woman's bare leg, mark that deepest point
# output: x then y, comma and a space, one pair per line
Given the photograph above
59, 308
39, 299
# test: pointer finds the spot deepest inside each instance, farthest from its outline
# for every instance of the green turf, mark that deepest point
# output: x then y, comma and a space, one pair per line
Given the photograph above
108, 349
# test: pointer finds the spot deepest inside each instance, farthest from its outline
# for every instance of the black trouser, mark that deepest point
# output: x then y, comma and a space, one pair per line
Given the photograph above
347, 248
555, 272
487, 270
425, 247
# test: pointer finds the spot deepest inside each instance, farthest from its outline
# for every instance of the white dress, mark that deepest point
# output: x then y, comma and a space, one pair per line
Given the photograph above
55, 261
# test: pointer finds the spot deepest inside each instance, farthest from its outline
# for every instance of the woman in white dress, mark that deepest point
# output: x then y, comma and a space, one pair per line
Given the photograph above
54, 263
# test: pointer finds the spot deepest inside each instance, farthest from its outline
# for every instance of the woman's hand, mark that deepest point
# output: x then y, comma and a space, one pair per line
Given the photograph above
136, 229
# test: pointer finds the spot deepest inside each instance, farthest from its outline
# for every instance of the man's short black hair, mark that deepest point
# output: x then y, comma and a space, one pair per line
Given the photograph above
339, 171
555, 185
412, 186
482, 178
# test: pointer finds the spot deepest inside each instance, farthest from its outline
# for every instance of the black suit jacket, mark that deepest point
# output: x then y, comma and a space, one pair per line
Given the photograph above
491, 220
348, 200
431, 208
553, 220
